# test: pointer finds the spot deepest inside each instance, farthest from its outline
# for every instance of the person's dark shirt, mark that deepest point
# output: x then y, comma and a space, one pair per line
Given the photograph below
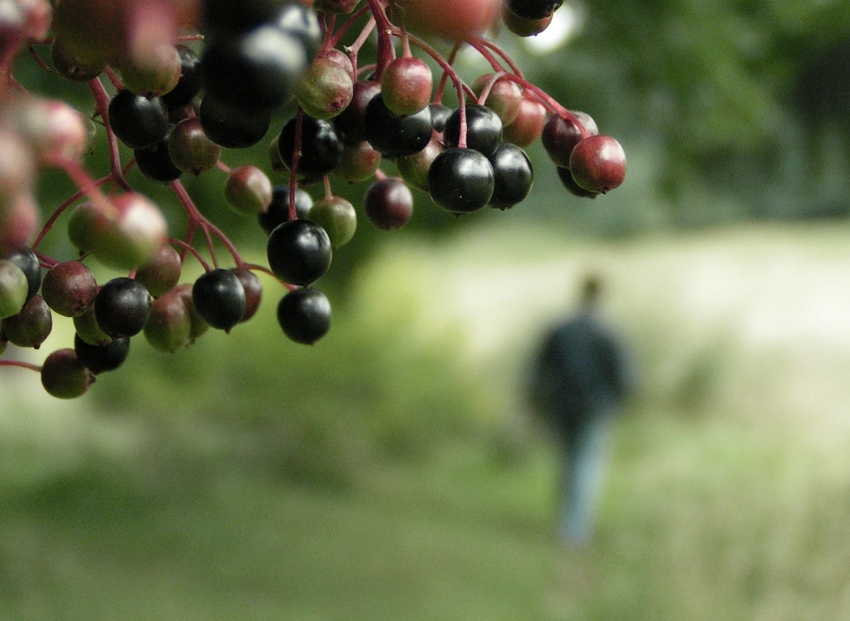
583, 370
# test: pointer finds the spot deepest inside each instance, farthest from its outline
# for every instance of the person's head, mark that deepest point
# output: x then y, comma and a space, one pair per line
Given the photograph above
591, 289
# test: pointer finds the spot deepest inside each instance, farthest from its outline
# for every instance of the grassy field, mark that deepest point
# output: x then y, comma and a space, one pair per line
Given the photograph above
241, 480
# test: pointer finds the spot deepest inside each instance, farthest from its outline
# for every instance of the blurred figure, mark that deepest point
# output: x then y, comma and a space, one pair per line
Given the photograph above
580, 376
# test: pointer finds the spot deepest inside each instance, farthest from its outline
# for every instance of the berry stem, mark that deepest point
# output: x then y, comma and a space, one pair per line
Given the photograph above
386, 51
293, 165
38, 59
113, 78
481, 44
186, 247
438, 94
354, 49
460, 86
254, 267
489, 86
48, 225
197, 219
21, 364
370, 25
101, 99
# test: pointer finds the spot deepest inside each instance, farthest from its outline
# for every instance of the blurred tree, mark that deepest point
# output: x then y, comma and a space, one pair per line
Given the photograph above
738, 95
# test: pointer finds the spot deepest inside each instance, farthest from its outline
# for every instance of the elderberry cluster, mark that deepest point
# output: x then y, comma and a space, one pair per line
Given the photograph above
176, 84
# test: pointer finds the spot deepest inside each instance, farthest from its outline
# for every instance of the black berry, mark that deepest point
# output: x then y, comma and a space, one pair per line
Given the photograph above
483, 129
278, 211
122, 307
219, 298
100, 358
299, 251
461, 180
513, 176
138, 121
304, 315
393, 135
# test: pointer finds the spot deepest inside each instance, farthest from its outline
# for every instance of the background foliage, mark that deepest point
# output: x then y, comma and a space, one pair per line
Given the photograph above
391, 470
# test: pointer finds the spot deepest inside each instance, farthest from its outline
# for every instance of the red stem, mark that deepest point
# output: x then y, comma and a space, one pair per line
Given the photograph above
197, 219
185, 247
293, 164
21, 364
101, 99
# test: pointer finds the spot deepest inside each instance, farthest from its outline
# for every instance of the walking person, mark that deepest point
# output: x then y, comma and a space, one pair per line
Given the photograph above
581, 374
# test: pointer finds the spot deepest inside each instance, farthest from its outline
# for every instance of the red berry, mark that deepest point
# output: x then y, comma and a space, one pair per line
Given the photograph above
598, 164
406, 85
388, 204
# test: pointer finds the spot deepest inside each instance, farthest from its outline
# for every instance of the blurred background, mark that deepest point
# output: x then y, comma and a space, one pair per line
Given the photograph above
392, 471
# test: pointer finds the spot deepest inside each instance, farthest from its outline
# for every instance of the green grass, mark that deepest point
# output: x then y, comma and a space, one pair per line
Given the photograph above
389, 473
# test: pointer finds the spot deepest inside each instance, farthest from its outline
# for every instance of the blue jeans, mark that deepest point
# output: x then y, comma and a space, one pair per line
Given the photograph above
584, 459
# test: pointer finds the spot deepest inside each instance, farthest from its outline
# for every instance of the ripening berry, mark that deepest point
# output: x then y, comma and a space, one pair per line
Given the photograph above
31, 325
162, 272
359, 162
325, 90
528, 124
19, 218
559, 137
598, 164
504, 97
406, 85
388, 204
86, 327
190, 148
63, 375
248, 190
130, 235
414, 168
169, 326
253, 291
199, 326
17, 163
154, 74
456, 20
69, 288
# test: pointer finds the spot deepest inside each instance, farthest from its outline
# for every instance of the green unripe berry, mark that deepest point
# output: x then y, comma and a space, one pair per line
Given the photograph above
325, 90
248, 190
88, 330
13, 289
337, 216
